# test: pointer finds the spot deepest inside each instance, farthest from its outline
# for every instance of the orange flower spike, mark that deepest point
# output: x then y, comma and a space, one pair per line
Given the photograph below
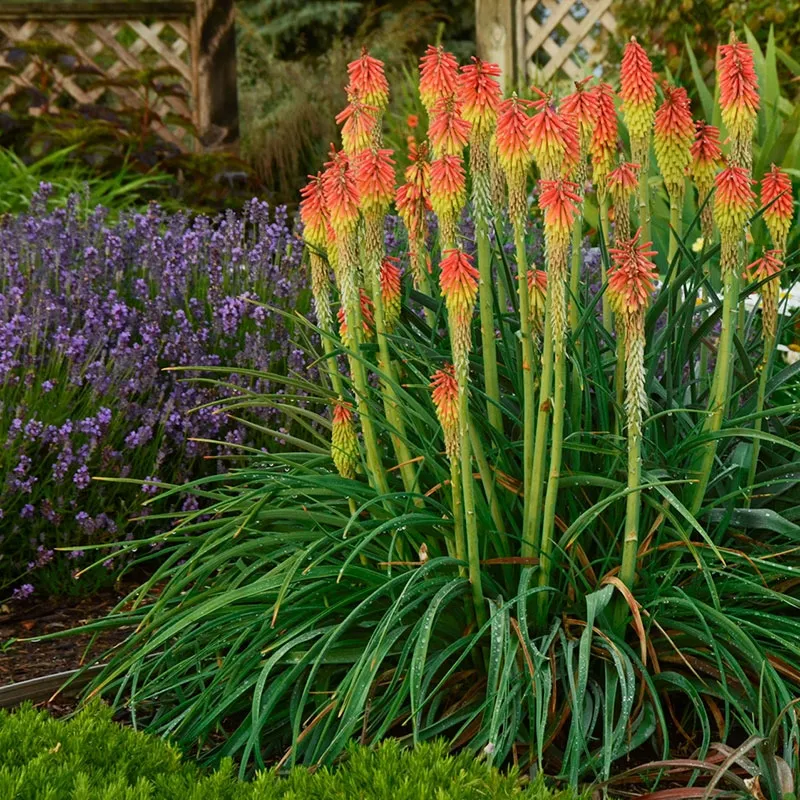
438, 76
734, 201
537, 294
706, 156
448, 131
340, 193
553, 140
412, 201
631, 279
767, 269
559, 200
638, 92
448, 194
344, 441
390, 291
316, 224
458, 280
367, 321
631, 282
622, 184
445, 400
359, 122
374, 174
738, 97
514, 154
368, 80
673, 137
603, 147
313, 212
776, 199
479, 92
580, 105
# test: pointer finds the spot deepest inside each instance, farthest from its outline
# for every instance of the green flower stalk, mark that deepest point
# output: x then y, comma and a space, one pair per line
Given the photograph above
622, 183
630, 287
672, 141
341, 197
706, 161
375, 185
603, 149
560, 203
638, 92
734, 201
778, 205
319, 236
413, 201
766, 269
344, 442
448, 196
515, 156
479, 93
458, 281
445, 400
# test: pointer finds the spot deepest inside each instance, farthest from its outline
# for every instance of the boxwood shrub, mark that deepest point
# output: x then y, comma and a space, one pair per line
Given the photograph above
90, 757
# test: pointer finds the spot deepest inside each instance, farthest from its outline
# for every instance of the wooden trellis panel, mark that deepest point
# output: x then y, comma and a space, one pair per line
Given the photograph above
193, 39
557, 38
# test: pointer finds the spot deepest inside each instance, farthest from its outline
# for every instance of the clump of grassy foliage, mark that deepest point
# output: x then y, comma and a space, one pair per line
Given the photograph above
572, 552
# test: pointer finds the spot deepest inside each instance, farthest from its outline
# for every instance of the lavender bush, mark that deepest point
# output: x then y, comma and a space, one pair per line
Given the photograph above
90, 314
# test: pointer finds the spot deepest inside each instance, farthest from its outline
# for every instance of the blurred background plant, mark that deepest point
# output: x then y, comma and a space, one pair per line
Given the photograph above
292, 56
665, 24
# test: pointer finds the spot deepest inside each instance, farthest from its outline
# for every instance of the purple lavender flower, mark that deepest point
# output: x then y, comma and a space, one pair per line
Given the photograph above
23, 592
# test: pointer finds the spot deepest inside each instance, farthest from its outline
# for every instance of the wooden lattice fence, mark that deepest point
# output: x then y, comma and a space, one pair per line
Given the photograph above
543, 40
102, 53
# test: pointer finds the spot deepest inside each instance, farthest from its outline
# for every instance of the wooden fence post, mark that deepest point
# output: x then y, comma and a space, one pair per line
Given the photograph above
214, 43
494, 33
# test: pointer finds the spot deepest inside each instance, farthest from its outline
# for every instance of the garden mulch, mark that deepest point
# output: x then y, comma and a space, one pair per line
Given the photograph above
23, 660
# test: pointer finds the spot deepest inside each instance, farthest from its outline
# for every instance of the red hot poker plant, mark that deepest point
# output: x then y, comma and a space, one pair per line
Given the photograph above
778, 205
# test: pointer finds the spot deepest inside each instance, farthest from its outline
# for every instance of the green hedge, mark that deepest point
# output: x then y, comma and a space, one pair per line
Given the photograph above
92, 758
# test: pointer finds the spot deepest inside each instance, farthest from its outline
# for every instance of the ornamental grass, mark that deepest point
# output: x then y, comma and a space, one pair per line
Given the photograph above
544, 529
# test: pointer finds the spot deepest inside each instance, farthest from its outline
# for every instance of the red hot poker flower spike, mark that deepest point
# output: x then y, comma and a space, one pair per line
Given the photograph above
445, 399
638, 92
776, 199
438, 76
480, 94
368, 80
673, 137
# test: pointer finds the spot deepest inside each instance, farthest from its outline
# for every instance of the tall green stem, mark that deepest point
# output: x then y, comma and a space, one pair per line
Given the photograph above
390, 401
535, 496
718, 400
548, 525
644, 202
488, 343
608, 317
619, 382
471, 521
675, 222
377, 474
458, 513
528, 391
769, 349
489, 487
574, 321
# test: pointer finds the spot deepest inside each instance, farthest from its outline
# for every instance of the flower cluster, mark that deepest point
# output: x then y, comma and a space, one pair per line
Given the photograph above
91, 312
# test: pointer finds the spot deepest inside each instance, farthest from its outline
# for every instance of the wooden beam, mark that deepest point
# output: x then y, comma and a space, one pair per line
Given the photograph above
495, 36
214, 57
94, 10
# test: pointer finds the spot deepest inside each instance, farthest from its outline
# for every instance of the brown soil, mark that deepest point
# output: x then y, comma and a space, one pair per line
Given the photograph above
21, 659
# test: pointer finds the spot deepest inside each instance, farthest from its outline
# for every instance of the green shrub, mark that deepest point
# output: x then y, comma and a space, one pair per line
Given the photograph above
92, 758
